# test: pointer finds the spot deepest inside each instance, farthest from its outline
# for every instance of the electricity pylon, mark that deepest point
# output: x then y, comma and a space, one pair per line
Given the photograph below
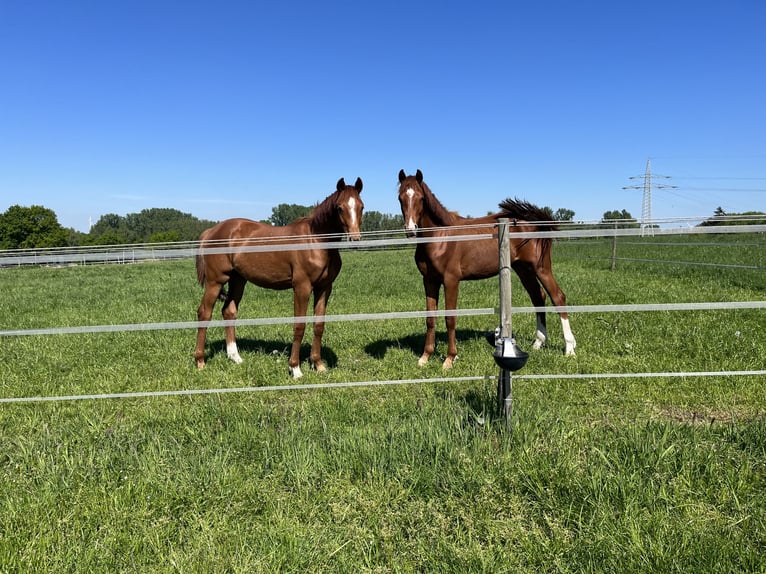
646, 206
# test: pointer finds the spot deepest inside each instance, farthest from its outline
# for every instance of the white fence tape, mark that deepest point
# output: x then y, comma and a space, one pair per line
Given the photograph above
706, 306
315, 386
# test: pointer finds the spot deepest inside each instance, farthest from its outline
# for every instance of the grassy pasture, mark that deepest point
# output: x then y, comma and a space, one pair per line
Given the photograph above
654, 474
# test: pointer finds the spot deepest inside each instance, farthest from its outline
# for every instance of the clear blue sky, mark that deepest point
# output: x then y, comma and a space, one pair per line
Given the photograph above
225, 109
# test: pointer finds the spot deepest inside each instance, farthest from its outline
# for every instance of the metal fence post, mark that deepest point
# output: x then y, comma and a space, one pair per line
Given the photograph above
507, 354
505, 383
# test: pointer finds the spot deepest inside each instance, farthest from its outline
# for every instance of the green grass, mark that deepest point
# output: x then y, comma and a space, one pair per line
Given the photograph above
594, 475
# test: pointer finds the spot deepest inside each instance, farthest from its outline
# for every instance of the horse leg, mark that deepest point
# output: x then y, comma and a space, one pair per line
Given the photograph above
230, 308
529, 281
301, 293
204, 313
545, 275
451, 288
321, 297
432, 288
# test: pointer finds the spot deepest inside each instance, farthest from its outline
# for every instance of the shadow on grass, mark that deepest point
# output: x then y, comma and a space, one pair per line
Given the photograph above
481, 404
263, 347
414, 343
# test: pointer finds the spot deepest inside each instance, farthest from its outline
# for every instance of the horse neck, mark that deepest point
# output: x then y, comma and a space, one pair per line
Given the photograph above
325, 227
323, 219
435, 214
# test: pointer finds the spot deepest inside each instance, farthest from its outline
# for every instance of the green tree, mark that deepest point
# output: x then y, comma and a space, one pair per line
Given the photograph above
30, 227
110, 229
563, 214
285, 213
108, 238
720, 217
147, 226
165, 236
377, 221
622, 219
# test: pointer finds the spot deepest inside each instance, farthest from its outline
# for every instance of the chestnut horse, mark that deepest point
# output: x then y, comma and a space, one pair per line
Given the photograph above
450, 262
225, 258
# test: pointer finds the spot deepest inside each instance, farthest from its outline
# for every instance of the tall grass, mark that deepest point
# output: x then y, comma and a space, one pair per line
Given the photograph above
629, 475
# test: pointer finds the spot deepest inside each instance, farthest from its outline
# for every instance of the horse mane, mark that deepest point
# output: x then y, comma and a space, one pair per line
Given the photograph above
441, 215
525, 211
323, 214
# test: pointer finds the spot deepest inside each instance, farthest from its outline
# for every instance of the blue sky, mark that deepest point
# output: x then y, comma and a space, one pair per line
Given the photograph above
225, 109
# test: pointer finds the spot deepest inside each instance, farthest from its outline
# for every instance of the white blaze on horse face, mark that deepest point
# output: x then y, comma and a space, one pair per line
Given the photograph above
410, 224
352, 210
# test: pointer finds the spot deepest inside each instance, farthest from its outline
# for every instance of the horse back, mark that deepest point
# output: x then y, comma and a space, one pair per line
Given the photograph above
463, 260
240, 241
477, 258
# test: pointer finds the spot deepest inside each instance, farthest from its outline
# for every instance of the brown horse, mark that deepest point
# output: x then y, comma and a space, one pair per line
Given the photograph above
450, 262
225, 259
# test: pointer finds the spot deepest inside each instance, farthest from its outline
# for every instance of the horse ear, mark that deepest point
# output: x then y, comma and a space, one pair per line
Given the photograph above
358, 184
419, 176
402, 175
341, 184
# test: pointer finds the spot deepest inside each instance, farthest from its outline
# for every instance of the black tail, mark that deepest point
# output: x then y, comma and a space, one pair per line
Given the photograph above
525, 211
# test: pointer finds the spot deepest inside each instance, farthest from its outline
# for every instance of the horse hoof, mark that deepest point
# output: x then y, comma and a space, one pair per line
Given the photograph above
320, 368
200, 365
295, 372
449, 362
422, 361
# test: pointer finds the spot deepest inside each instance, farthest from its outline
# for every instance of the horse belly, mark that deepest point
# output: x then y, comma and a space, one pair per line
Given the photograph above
265, 270
481, 260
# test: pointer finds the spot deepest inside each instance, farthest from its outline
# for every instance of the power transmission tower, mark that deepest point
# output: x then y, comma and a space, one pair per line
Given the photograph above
646, 206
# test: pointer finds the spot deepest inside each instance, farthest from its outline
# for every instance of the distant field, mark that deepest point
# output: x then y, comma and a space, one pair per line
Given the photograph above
635, 474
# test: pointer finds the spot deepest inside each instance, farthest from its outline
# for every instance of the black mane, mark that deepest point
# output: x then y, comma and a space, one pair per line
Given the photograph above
523, 210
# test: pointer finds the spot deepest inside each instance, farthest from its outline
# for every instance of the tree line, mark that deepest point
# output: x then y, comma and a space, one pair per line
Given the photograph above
38, 227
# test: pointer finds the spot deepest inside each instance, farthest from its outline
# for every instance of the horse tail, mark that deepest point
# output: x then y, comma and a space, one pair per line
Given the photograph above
546, 246
201, 269
200, 260
201, 265
526, 211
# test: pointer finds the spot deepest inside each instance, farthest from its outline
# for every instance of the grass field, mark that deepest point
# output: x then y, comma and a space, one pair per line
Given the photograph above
595, 475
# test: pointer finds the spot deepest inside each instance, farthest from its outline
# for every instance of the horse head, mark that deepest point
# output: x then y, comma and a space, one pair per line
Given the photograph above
349, 206
411, 197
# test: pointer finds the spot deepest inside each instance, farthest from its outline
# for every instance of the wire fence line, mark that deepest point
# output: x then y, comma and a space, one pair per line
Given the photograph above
358, 384
162, 326
181, 250
371, 240
667, 262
